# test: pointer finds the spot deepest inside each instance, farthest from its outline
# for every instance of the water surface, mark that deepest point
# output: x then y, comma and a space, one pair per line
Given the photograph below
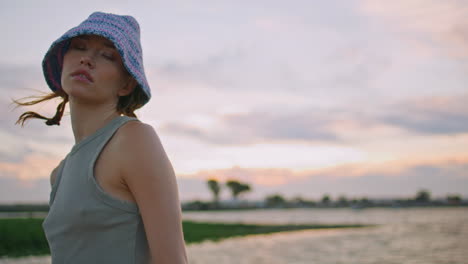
409, 236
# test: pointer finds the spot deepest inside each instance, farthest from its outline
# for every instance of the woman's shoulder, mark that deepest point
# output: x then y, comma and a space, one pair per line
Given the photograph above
138, 145
136, 135
135, 126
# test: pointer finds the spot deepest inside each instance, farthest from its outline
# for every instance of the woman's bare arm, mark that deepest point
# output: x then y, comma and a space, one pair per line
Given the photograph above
151, 179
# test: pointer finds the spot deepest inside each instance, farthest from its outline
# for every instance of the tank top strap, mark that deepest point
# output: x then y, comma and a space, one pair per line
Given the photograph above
107, 129
110, 129
107, 132
98, 146
58, 178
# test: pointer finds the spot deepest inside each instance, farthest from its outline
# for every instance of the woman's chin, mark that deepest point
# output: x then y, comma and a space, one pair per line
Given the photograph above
78, 90
82, 95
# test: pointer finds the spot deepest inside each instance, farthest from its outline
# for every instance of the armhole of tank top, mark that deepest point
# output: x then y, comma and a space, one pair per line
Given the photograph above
102, 195
58, 178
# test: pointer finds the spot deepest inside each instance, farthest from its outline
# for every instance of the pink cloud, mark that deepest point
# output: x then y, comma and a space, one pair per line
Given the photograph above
281, 176
32, 166
427, 23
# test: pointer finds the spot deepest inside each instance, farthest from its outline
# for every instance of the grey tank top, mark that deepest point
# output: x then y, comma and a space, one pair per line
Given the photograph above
85, 224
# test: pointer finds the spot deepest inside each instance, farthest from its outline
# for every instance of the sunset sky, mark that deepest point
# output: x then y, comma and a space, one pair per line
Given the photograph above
302, 98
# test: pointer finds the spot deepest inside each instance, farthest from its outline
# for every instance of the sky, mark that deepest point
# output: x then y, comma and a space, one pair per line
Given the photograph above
362, 98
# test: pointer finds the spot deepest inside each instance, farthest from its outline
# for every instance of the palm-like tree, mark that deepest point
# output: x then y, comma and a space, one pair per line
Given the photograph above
326, 199
214, 188
423, 196
237, 188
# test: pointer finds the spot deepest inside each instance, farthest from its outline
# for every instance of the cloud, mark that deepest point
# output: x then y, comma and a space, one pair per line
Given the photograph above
440, 180
19, 78
430, 115
216, 70
14, 190
428, 22
399, 178
26, 179
32, 166
278, 176
293, 79
434, 115
258, 126
35, 138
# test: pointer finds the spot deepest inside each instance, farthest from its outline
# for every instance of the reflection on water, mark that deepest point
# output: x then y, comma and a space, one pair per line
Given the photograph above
425, 235
335, 216
429, 235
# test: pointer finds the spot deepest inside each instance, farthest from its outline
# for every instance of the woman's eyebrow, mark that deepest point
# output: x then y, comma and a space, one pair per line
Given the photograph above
107, 42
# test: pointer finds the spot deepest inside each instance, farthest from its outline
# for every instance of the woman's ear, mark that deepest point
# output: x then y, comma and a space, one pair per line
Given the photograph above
128, 87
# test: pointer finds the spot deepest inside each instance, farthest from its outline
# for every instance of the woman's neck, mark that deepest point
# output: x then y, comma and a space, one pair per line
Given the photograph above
87, 119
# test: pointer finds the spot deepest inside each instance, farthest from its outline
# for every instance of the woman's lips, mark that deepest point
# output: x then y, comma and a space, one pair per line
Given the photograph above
81, 77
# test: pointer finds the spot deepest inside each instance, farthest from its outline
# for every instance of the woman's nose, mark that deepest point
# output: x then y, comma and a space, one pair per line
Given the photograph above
86, 60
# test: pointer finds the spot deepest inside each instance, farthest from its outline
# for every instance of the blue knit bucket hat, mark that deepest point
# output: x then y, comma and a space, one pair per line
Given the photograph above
123, 31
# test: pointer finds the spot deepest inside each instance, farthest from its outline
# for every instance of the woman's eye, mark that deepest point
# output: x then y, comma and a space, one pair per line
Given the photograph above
108, 56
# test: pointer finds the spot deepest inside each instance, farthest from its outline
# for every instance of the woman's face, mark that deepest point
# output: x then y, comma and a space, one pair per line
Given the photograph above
106, 77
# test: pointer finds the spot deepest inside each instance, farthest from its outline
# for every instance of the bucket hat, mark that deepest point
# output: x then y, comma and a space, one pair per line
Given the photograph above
122, 30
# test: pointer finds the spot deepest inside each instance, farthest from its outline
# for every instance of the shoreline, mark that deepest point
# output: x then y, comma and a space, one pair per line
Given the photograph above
14, 230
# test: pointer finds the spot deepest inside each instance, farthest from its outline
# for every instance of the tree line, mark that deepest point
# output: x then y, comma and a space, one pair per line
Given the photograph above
276, 200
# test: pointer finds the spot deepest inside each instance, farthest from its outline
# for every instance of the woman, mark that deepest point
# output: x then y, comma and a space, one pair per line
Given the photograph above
114, 197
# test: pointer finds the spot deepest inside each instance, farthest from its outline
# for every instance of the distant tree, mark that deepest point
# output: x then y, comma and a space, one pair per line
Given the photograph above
326, 199
237, 188
197, 205
298, 200
214, 187
275, 200
454, 198
423, 196
363, 202
342, 200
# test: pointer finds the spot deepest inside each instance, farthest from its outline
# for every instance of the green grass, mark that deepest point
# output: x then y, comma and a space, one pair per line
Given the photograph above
25, 236
22, 237
196, 231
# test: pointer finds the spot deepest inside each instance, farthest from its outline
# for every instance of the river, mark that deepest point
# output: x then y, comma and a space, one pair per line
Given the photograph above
410, 236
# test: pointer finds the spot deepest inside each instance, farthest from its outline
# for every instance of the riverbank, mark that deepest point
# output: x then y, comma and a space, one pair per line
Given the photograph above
24, 236
403, 235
